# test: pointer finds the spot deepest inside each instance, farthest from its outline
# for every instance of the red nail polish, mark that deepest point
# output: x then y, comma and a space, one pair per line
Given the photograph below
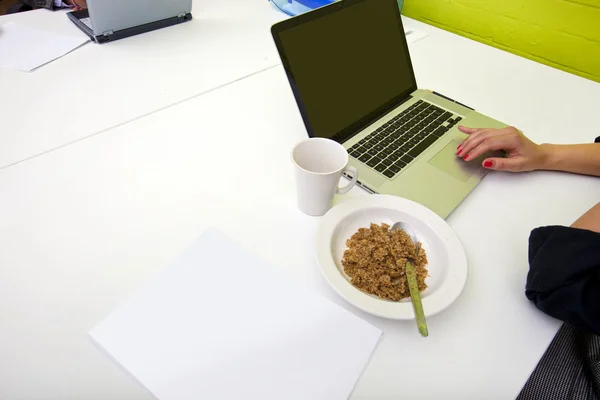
459, 146
488, 164
467, 157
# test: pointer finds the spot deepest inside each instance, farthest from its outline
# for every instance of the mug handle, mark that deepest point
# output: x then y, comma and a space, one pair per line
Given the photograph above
349, 186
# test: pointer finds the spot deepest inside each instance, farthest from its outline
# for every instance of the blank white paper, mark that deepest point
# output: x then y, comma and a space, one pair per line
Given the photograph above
25, 48
413, 35
219, 323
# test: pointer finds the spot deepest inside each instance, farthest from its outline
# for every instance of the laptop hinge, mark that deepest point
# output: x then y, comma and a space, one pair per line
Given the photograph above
182, 15
360, 184
340, 139
108, 33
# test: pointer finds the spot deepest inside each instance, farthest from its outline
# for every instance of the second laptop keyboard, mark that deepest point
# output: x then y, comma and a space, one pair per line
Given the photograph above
400, 140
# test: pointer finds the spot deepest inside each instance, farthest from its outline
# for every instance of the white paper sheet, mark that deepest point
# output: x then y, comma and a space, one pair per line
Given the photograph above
413, 35
221, 324
25, 48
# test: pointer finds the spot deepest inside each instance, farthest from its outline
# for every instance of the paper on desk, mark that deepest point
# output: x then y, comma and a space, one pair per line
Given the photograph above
25, 48
412, 35
221, 324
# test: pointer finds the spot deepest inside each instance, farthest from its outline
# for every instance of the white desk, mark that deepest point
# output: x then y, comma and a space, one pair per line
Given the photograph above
100, 86
83, 226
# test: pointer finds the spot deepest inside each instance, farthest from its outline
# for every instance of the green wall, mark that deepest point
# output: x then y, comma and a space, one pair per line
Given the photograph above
564, 34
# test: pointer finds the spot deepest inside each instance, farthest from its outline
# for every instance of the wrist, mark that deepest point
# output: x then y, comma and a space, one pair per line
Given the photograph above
548, 157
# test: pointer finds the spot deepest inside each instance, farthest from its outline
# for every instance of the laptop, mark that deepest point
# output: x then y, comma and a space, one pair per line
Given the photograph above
108, 20
349, 68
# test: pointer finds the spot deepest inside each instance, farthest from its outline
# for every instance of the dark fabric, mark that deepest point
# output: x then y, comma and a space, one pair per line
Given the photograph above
49, 4
17, 8
569, 370
564, 282
564, 275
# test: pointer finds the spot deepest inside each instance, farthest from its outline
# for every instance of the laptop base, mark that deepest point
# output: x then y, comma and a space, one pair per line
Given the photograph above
77, 16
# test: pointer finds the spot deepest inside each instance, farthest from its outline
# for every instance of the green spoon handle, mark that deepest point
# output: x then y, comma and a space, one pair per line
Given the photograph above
415, 296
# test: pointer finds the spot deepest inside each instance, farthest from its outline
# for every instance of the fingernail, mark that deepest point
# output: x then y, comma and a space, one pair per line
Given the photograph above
459, 146
488, 164
467, 156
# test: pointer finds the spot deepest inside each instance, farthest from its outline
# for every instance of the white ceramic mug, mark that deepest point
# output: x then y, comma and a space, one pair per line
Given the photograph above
319, 165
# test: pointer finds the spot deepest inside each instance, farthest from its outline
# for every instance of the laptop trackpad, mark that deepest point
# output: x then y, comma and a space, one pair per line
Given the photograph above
447, 161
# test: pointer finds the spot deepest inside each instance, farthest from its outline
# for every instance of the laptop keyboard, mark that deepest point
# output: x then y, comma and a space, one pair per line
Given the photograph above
400, 140
87, 22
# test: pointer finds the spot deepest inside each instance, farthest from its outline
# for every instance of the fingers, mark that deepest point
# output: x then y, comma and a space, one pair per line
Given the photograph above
467, 130
466, 148
482, 140
471, 131
504, 164
502, 142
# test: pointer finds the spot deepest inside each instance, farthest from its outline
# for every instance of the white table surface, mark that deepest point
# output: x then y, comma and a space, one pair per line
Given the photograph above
98, 87
83, 226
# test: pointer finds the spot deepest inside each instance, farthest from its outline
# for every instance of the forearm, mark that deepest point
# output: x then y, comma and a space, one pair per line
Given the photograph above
576, 158
590, 220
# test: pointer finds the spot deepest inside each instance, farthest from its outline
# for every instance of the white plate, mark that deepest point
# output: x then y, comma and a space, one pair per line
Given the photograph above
446, 255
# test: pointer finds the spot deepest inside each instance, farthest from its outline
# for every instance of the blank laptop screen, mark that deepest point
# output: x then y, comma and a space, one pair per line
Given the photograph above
347, 65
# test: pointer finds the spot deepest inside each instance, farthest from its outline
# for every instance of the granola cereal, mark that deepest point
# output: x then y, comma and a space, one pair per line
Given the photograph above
375, 260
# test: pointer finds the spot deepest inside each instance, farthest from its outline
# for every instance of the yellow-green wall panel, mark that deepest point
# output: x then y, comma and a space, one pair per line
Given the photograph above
562, 33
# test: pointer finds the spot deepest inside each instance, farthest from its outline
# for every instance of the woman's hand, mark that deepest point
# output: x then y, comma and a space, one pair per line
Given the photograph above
78, 4
523, 154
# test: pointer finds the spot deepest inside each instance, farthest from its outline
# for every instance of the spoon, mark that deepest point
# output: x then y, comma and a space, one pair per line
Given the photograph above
411, 277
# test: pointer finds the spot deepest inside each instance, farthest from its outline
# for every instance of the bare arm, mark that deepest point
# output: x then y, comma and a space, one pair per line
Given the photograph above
525, 155
577, 158
590, 220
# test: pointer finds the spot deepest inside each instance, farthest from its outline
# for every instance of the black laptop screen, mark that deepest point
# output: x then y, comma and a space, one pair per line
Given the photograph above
347, 63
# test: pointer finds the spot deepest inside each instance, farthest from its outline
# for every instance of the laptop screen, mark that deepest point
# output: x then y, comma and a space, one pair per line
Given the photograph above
347, 63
